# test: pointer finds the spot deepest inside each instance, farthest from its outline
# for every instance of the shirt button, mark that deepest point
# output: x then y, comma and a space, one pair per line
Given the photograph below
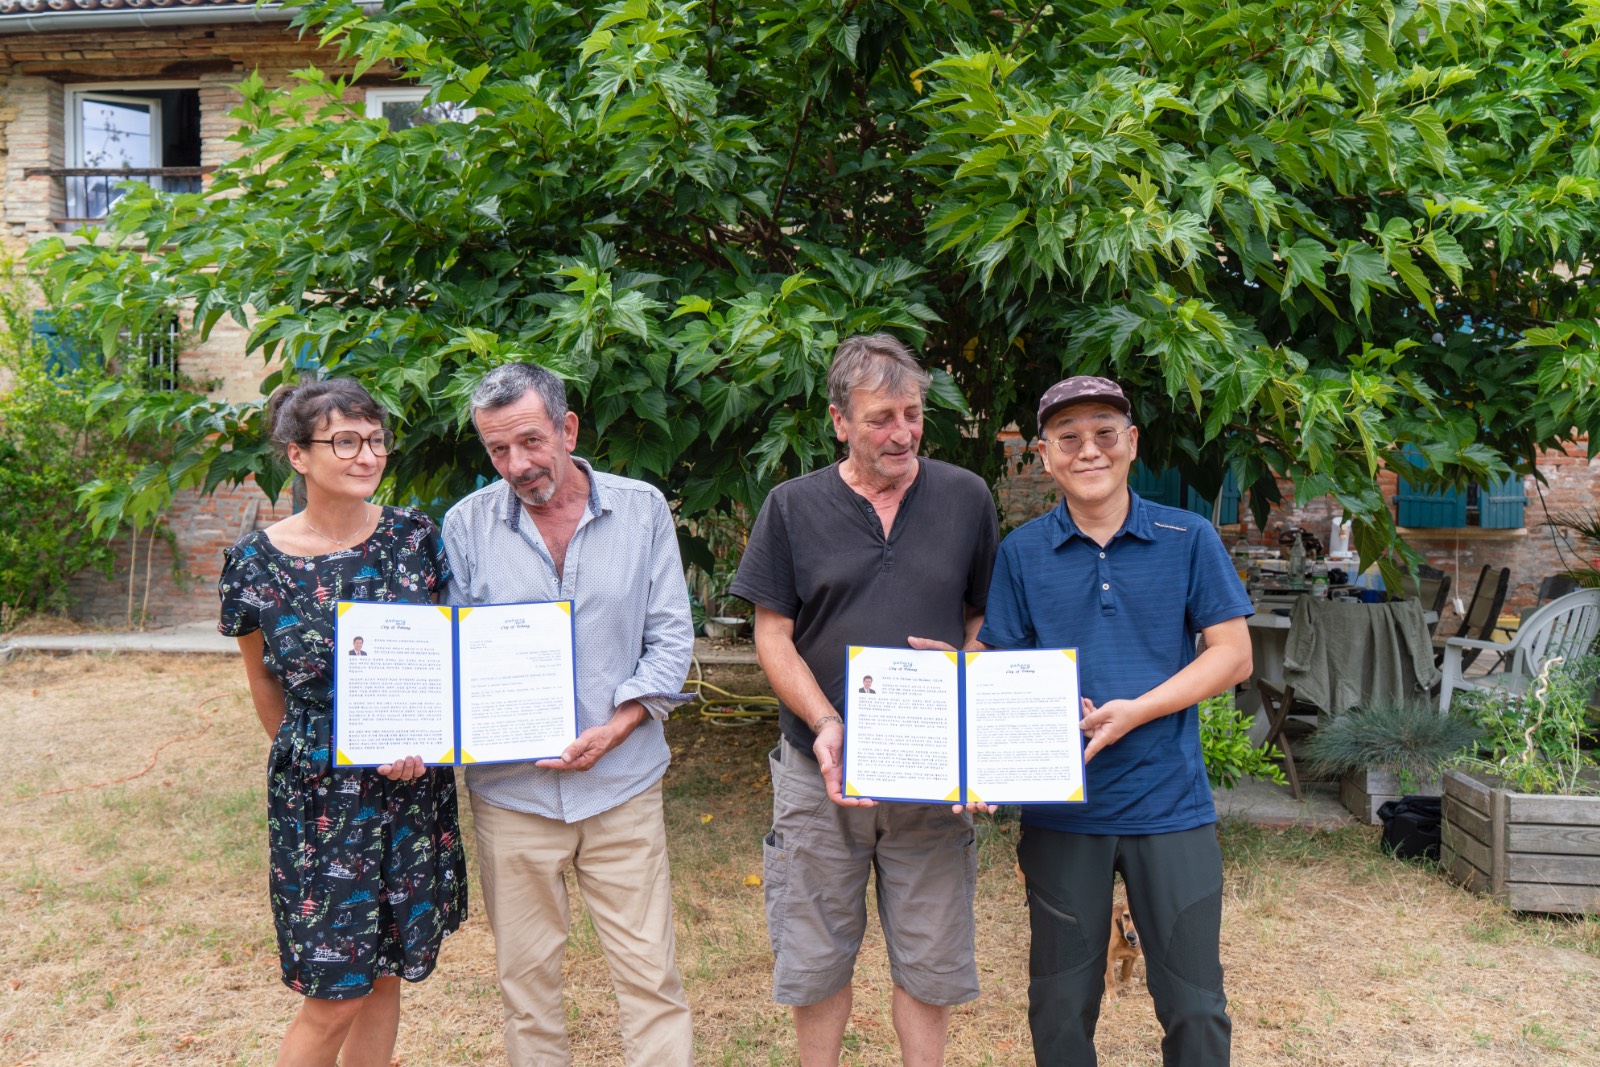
1102, 555
1105, 585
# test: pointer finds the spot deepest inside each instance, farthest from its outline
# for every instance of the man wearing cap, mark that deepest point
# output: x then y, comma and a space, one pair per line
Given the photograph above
871, 550
1129, 584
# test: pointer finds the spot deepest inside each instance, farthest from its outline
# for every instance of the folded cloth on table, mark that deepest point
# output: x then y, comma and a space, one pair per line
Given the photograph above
1341, 654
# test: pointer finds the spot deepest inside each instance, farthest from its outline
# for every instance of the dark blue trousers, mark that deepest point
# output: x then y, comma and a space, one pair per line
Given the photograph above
1175, 894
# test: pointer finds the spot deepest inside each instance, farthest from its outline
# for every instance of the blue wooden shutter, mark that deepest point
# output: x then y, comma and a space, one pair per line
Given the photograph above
1163, 488
1500, 504
61, 355
1229, 513
1416, 507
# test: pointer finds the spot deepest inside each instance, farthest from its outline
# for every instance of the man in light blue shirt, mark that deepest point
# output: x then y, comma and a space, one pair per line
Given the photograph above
556, 529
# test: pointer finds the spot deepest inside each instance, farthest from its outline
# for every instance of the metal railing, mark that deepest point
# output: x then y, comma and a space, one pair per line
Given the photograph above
89, 192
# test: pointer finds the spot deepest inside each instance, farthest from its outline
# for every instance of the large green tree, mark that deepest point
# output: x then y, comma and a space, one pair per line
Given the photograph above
1305, 232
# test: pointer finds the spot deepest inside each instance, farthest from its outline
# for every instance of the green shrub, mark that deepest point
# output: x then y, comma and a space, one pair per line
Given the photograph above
51, 444
1414, 739
1535, 739
46, 452
1225, 745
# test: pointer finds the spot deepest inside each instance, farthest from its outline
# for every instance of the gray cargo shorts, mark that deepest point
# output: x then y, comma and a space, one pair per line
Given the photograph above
818, 858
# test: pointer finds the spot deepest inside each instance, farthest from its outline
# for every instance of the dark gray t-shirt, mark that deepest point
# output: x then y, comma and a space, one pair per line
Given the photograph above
817, 555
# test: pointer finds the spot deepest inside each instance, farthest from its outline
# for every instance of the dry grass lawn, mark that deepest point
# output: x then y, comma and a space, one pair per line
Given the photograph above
135, 926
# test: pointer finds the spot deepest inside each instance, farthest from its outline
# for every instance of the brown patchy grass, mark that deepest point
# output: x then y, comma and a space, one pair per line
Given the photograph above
136, 928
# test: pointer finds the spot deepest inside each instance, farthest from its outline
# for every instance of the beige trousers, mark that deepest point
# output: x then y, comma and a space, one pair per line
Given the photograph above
620, 857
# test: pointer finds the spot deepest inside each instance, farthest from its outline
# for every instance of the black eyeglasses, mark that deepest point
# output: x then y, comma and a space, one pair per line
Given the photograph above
347, 445
1105, 439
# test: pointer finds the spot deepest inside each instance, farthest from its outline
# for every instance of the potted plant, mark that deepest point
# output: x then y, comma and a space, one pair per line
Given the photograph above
1522, 819
1382, 752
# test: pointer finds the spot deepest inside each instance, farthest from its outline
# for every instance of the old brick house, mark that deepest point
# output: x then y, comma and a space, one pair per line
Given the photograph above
94, 93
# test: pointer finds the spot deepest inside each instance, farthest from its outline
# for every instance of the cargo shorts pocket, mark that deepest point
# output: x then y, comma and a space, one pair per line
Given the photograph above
775, 887
798, 798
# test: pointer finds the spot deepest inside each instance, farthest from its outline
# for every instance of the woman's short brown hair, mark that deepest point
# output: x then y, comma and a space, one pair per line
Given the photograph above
295, 411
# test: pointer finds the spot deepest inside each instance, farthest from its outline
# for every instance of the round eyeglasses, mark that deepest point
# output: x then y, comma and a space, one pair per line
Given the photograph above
1105, 439
347, 445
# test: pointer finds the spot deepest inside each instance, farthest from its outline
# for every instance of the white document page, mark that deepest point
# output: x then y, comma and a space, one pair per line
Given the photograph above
518, 696
393, 684
902, 725
1023, 741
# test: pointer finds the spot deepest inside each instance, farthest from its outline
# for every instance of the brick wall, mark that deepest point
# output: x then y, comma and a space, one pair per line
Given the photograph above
201, 528
1532, 552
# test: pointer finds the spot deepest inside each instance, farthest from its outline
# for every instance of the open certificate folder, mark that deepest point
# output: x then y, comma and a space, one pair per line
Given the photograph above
996, 727
488, 684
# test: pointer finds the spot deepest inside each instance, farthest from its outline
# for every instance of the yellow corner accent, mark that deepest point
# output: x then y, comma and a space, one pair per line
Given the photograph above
449, 756
565, 605
853, 651
955, 795
850, 790
448, 612
466, 757
969, 657
953, 657
1075, 796
345, 605
973, 798
1070, 653
340, 759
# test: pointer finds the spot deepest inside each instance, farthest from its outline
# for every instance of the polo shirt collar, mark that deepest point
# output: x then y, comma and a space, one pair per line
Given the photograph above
1136, 524
600, 499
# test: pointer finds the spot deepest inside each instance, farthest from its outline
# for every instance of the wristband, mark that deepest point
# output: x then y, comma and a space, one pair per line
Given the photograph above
824, 720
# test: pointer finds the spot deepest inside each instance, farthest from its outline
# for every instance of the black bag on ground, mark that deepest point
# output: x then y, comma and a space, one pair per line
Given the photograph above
1411, 827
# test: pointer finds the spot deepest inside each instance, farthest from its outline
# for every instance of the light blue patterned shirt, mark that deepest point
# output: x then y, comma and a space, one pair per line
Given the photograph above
634, 635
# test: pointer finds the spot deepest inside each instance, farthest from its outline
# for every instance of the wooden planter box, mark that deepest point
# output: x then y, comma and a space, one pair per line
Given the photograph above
1364, 792
1534, 853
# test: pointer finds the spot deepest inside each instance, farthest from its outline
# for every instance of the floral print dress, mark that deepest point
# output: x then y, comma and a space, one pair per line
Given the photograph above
367, 874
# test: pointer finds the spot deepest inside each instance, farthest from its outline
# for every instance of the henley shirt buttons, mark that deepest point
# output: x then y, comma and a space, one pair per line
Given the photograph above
1105, 585
1102, 555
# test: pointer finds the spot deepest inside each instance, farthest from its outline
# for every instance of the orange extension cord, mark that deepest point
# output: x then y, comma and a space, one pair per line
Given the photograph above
153, 756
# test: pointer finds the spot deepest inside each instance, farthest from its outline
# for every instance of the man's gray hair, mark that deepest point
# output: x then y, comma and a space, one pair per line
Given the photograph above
874, 362
510, 382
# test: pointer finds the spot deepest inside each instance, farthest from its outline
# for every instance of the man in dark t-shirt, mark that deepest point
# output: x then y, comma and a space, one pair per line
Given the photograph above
883, 548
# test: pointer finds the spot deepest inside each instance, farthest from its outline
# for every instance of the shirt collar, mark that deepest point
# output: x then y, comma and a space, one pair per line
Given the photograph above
1136, 524
600, 500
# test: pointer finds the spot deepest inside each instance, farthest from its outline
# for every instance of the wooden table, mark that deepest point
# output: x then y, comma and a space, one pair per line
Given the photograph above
1269, 636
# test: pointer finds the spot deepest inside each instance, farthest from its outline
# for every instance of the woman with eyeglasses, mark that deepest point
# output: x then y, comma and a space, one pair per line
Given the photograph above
366, 871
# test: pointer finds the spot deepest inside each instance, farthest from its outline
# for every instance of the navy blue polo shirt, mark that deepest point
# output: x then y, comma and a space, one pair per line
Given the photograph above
1132, 610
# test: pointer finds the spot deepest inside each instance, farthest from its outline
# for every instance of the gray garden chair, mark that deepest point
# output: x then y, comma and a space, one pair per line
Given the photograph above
1565, 627
1483, 612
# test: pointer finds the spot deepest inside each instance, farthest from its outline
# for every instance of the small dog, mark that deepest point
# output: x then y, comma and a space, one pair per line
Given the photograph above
1124, 949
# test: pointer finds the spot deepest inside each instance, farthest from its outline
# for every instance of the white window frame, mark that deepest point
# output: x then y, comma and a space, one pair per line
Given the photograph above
376, 98
129, 90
